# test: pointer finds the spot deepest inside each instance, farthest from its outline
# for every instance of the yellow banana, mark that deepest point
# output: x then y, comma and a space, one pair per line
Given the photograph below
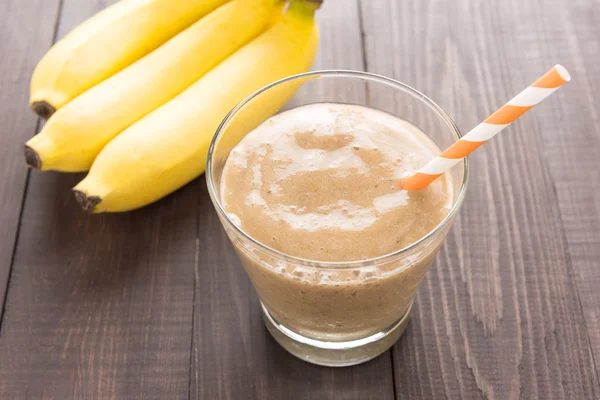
168, 148
73, 137
107, 43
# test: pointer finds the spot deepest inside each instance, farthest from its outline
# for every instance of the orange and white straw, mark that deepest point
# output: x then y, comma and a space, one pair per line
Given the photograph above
483, 132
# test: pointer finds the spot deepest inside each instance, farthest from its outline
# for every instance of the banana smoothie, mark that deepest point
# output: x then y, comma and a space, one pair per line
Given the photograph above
318, 182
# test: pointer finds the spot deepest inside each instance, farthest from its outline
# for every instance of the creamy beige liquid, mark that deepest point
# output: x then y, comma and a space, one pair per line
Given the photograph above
317, 182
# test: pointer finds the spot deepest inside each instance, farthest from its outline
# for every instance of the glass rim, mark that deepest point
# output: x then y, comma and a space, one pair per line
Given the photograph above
368, 76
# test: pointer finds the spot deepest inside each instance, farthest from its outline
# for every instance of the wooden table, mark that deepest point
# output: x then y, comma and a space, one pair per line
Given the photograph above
154, 304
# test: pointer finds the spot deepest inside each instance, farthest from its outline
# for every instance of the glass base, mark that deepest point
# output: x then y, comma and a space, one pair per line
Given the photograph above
335, 354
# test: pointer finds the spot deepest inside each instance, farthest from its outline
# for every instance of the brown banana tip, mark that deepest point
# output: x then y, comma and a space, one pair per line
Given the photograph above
88, 203
32, 158
43, 109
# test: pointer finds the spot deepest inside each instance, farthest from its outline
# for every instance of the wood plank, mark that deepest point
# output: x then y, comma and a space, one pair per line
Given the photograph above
499, 315
570, 139
234, 356
24, 36
98, 306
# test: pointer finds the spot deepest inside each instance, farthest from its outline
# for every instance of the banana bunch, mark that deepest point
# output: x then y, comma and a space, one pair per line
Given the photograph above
141, 118
129, 28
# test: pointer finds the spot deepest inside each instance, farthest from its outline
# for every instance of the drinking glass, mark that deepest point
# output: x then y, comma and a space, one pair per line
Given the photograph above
335, 313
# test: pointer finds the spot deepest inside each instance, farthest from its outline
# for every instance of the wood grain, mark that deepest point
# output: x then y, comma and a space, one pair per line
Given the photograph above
98, 306
570, 140
104, 306
499, 315
24, 36
234, 356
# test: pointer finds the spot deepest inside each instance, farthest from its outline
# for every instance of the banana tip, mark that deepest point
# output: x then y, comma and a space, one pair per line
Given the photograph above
43, 109
88, 203
32, 158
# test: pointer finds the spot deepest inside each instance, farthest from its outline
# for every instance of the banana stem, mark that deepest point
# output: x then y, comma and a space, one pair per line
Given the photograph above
308, 6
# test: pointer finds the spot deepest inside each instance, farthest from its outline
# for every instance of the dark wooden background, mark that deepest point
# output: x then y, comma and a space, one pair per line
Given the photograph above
153, 303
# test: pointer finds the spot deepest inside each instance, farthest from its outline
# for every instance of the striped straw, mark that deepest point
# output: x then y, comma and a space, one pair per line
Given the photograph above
483, 132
